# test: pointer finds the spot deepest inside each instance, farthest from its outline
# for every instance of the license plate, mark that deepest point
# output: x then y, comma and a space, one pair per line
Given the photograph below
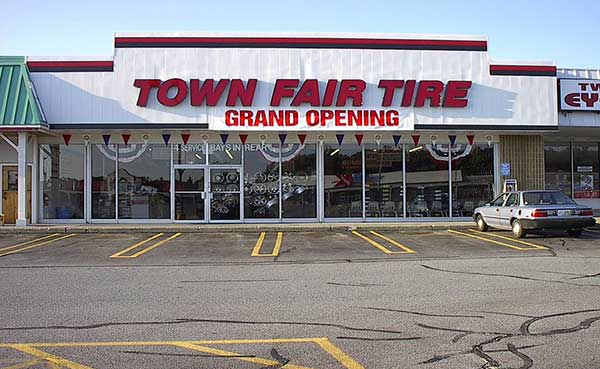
562, 213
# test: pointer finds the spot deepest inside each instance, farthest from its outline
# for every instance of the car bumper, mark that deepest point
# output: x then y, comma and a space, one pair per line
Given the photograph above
570, 223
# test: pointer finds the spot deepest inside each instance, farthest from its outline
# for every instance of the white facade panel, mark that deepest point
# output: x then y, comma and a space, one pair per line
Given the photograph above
110, 97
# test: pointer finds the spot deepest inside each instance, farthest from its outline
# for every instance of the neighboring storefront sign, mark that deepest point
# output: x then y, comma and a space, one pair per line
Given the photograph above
580, 94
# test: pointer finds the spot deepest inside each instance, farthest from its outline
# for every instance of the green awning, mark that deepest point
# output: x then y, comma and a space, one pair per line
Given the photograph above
19, 105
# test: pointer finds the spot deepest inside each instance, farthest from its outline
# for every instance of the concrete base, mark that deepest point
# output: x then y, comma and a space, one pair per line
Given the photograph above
237, 228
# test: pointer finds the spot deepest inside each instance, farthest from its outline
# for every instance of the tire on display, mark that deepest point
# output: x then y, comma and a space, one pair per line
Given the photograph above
575, 232
481, 224
517, 228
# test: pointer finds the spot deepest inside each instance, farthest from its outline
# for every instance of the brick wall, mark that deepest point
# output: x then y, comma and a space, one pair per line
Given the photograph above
526, 157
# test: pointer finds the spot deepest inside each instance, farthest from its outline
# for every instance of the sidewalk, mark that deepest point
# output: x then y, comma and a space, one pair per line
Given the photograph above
237, 228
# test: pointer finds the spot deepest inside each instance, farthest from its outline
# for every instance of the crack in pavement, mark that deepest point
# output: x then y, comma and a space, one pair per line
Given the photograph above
422, 314
186, 321
282, 361
355, 284
527, 361
587, 276
378, 339
236, 280
523, 331
508, 276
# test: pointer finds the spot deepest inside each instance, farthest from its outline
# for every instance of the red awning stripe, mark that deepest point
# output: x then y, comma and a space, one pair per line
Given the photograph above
523, 70
71, 66
300, 42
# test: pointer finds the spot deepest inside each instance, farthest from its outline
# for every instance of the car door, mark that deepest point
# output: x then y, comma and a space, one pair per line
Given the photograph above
491, 213
508, 209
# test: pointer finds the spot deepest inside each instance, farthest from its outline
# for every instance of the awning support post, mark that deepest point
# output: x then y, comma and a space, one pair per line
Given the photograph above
22, 180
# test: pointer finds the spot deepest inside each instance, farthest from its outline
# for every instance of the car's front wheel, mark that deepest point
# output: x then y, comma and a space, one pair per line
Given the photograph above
517, 229
575, 232
481, 224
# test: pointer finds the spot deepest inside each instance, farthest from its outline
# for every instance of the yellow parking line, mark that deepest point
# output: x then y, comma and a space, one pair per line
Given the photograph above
338, 354
49, 357
233, 355
490, 240
261, 240
29, 242
406, 249
119, 255
199, 345
35, 245
380, 247
533, 245
26, 364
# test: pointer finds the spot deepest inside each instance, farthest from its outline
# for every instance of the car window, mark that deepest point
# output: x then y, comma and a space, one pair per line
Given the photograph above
513, 200
498, 201
546, 198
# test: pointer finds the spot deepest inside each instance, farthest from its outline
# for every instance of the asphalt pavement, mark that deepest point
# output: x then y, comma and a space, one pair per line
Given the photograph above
351, 299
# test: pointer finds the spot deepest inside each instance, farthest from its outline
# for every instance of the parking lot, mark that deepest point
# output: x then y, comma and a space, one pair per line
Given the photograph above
355, 299
166, 248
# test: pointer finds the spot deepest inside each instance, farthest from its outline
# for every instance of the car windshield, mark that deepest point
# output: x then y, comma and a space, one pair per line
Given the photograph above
546, 198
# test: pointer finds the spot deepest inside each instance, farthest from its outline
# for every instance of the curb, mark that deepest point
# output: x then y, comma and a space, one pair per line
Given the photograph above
238, 228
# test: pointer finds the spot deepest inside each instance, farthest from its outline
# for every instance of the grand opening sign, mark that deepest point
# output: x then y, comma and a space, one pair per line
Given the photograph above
308, 104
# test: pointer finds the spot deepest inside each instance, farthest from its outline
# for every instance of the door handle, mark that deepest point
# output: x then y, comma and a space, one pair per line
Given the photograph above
202, 195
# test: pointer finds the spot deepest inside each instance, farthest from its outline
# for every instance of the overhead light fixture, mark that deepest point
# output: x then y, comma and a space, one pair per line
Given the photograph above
416, 148
334, 152
198, 156
229, 154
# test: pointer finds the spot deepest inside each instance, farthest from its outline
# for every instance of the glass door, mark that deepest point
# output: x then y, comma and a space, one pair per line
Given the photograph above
225, 184
190, 194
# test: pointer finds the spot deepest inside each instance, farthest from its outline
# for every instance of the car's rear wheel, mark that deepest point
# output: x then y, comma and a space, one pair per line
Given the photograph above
481, 224
517, 229
575, 232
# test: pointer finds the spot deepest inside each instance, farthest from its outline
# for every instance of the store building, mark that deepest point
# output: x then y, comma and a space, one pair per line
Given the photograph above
273, 128
572, 158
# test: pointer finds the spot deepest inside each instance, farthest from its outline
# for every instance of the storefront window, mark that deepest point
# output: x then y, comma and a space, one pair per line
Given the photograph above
144, 180
427, 181
261, 181
384, 182
472, 177
62, 170
103, 181
343, 181
585, 167
557, 161
189, 154
225, 154
299, 180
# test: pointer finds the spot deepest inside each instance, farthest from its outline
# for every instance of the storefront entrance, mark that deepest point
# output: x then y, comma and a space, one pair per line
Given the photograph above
10, 183
207, 194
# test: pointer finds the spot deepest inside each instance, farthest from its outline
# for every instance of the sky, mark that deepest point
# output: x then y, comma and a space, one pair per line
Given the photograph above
564, 32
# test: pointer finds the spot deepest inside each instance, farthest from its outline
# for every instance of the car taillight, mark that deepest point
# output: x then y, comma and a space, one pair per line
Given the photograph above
586, 213
539, 214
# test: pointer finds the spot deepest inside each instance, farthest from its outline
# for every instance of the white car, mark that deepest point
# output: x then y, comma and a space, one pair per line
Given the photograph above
523, 211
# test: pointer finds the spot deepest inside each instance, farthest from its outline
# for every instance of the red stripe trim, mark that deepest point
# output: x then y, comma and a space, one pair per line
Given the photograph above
523, 68
300, 40
70, 66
